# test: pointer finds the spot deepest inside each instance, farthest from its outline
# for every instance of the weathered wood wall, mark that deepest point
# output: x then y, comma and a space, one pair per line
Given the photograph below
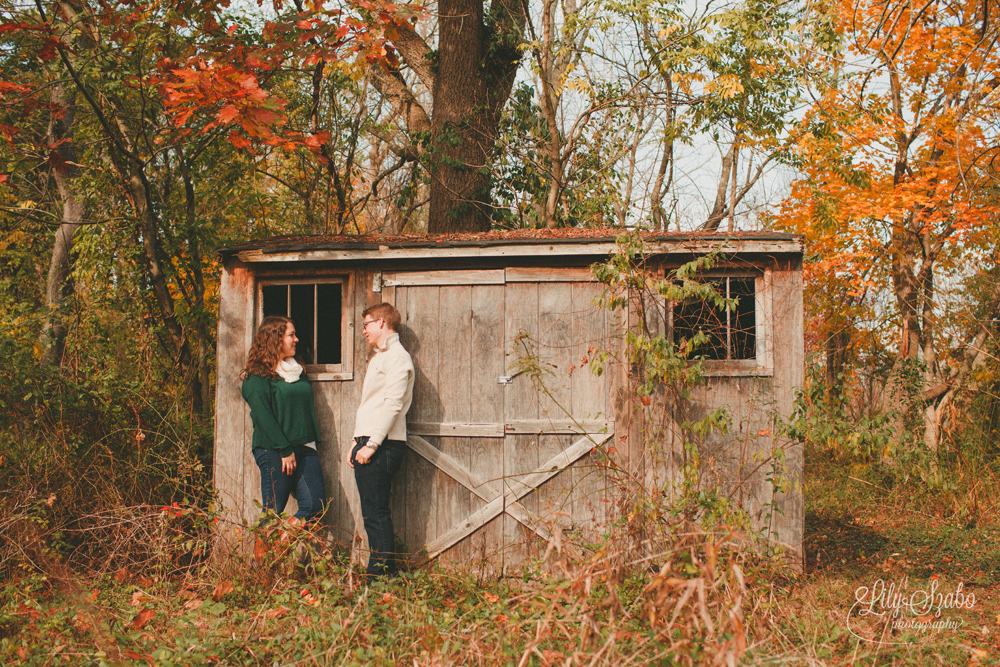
233, 463
479, 447
757, 468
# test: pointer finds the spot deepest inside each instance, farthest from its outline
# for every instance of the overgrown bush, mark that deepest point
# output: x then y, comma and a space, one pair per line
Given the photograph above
89, 457
873, 426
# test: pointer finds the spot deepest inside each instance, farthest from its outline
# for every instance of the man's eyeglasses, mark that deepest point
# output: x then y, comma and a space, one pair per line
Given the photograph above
369, 322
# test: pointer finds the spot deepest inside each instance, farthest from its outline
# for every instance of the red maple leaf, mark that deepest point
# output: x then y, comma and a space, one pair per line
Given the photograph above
227, 114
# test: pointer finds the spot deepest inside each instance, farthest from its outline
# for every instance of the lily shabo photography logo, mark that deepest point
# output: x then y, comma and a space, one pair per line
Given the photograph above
897, 613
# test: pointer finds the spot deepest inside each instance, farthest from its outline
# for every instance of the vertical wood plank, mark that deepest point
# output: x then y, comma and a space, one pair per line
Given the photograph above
351, 524
252, 499
455, 367
424, 343
555, 347
488, 355
622, 403
232, 419
592, 399
455, 390
521, 330
521, 333
486, 458
422, 327
590, 335
402, 520
556, 331
329, 404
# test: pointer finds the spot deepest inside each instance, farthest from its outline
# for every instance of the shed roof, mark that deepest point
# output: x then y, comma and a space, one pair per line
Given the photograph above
574, 241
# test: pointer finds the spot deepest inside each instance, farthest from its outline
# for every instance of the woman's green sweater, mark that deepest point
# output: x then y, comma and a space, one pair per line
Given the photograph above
283, 414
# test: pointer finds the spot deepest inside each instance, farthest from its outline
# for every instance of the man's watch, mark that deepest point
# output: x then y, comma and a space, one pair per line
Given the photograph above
373, 445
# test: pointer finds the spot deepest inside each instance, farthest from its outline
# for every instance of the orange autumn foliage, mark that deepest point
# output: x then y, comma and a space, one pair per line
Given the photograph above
896, 157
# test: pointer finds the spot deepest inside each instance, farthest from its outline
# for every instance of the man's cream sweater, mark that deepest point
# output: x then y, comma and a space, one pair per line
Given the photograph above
386, 393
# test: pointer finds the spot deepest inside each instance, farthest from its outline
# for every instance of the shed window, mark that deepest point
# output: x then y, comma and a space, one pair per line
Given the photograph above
319, 310
738, 340
732, 334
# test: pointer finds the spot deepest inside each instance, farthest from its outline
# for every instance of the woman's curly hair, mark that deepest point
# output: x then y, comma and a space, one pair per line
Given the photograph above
265, 350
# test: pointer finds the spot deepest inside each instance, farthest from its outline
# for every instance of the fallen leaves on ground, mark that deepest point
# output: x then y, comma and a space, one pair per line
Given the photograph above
221, 588
142, 618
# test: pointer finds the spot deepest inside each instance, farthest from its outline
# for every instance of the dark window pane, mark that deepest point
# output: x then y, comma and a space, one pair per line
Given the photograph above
328, 318
302, 312
275, 299
316, 310
744, 319
696, 315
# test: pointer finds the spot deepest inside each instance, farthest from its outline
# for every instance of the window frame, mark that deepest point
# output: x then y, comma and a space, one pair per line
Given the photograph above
763, 362
320, 372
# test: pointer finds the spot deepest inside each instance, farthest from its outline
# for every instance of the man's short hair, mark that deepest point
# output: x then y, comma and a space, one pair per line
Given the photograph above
385, 312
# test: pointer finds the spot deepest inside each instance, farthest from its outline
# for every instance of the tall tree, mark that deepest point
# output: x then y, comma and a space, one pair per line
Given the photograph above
469, 78
39, 111
897, 153
99, 60
625, 91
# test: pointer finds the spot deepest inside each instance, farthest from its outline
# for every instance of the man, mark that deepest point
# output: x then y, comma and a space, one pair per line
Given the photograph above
380, 431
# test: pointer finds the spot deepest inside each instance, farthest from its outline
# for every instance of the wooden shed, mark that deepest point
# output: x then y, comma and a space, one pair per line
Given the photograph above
496, 462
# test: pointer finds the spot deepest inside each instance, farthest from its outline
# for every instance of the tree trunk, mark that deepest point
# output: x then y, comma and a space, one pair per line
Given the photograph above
657, 212
74, 212
460, 145
837, 343
139, 190
722, 193
199, 389
477, 62
475, 74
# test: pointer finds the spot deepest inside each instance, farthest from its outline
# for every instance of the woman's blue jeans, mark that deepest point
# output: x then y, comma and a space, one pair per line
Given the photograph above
306, 483
374, 480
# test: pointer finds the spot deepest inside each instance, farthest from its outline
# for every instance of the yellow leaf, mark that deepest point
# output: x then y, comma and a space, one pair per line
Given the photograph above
727, 85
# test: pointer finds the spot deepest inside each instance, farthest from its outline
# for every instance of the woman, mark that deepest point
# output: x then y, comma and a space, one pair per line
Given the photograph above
285, 432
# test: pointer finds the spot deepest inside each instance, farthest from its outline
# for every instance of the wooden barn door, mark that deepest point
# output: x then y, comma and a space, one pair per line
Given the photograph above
497, 458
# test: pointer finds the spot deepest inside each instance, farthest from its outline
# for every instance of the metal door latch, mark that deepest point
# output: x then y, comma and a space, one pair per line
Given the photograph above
507, 379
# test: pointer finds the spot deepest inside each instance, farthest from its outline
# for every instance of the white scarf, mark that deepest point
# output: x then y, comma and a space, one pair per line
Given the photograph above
289, 369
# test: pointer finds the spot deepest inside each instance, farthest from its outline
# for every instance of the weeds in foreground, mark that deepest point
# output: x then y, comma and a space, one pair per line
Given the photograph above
701, 597
697, 598
660, 589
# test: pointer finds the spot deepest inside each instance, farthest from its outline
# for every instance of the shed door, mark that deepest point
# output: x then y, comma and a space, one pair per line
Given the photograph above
498, 459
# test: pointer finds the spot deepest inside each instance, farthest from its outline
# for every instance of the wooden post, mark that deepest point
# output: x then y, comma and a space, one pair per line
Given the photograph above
233, 463
788, 521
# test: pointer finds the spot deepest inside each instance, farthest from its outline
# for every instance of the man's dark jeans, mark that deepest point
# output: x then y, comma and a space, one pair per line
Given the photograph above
374, 480
306, 482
